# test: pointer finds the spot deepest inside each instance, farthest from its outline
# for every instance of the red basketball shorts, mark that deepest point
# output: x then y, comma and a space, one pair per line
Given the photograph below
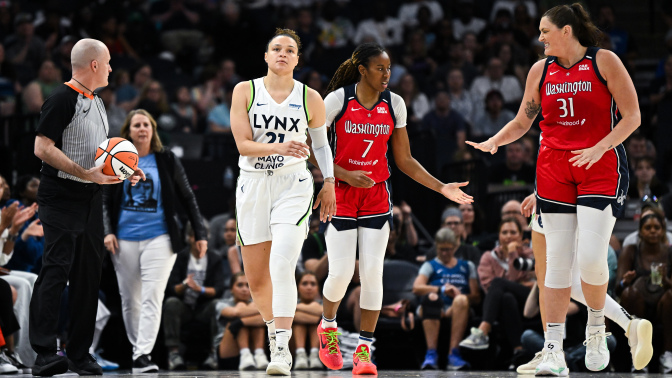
362, 207
560, 186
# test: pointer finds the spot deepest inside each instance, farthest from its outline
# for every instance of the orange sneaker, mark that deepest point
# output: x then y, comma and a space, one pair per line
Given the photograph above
361, 362
330, 353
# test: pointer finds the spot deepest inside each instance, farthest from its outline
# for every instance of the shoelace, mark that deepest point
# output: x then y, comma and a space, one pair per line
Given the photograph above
364, 356
595, 338
332, 341
552, 355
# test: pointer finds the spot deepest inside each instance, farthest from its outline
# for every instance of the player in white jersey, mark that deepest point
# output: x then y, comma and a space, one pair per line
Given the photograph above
270, 118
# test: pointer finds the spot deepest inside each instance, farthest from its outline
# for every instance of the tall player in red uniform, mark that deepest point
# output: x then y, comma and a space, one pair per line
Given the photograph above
590, 107
363, 115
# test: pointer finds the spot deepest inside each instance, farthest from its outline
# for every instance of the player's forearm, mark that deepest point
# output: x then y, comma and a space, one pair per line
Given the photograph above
512, 131
621, 131
255, 149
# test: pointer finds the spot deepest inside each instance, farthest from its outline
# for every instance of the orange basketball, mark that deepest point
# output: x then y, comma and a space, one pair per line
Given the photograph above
119, 156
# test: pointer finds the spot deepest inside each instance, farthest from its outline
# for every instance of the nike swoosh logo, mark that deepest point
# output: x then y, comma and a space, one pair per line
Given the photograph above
354, 110
258, 104
324, 345
241, 188
300, 180
85, 111
552, 73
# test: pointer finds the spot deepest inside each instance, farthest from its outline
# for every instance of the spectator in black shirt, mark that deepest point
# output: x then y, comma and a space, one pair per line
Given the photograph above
513, 171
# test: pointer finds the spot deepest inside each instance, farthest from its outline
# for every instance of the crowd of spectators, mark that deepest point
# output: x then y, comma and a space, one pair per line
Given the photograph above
460, 67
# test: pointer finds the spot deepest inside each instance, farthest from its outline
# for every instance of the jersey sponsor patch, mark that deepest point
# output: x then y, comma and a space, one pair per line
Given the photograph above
584, 67
295, 106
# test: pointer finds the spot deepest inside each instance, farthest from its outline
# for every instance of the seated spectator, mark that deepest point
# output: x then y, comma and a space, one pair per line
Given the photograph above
514, 171
494, 79
648, 207
115, 114
448, 286
24, 49
512, 209
154, 100
128, 96
408, 13
472, 222
452, 219
184, 110
417, 61
8, 325
382, 28
448, 128
48, 78
506, 289
577, 317
244, 327
461, 99
219, 118
417, 104
644, 282
29, 245
193, 288
9, 87
644, 182
466, 20
489, 122
228, 239
308, 314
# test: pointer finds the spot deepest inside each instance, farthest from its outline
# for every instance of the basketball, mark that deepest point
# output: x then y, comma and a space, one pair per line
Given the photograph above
119, 156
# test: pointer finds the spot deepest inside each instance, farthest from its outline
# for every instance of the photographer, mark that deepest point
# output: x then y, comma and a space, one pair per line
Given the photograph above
506, 288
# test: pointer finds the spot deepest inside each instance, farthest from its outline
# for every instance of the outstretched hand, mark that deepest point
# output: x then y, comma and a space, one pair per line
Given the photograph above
487, 146
453, 192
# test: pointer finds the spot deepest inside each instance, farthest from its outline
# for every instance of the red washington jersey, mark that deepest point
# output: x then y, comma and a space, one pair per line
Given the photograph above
576, 104
359, 136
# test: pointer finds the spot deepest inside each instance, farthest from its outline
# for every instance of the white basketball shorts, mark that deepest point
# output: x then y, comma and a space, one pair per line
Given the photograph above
263, 198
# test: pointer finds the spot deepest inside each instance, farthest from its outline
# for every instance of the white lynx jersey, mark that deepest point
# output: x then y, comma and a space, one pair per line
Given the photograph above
275, 123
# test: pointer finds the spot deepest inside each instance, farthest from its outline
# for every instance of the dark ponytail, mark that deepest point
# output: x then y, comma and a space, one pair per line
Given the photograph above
578, 18
348, 72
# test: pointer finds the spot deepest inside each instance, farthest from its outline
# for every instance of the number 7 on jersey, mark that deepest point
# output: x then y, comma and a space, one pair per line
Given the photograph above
370, 142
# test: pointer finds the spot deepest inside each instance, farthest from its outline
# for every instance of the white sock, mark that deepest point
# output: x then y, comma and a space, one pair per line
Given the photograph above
595, 317
245, 351
270, 324
314, 351
282, 337
259, 351
365, 341
328, 323
554, 334
617, 314
300, 350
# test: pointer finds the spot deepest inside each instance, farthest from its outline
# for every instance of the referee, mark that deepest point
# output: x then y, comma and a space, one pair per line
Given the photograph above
72, 124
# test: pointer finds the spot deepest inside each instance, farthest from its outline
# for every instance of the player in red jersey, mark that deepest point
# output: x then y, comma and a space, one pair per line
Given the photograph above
363, 115
590, 107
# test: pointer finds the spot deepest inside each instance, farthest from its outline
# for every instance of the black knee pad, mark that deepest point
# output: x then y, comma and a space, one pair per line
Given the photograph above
431, 309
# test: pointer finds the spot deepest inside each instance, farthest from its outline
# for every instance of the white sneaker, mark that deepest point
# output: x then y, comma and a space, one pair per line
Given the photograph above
552, 363
261, 360
640, 332
666, 362
271, 345
314, 361
281, 362
530, 367
477, 340
246, 362
301, 361
597, 353
6, 367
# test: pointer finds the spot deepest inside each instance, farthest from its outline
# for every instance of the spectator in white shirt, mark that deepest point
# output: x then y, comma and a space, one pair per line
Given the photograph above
494, 78
381, 28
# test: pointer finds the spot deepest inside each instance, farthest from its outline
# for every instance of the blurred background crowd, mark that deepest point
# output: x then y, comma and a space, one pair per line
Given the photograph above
460, 66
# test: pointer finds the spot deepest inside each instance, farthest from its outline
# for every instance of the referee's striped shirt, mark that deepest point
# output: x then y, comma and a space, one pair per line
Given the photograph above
77, 123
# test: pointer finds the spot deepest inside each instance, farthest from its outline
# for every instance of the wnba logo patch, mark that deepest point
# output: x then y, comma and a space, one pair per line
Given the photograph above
295, 106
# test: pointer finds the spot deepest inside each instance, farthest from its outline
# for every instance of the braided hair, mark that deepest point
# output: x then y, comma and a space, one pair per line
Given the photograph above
348, 72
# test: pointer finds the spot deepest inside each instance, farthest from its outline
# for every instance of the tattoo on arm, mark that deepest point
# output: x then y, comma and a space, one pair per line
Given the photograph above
532, 109
610, 147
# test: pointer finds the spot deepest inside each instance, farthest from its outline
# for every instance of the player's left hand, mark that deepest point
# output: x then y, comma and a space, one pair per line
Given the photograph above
528, 206
136, 176
327, 197
453, 192
588, 156
202, 246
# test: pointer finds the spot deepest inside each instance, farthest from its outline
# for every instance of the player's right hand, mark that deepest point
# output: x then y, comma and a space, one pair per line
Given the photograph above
359, 179
292, 148
111, 243
487, 146
96, 175
528, 205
